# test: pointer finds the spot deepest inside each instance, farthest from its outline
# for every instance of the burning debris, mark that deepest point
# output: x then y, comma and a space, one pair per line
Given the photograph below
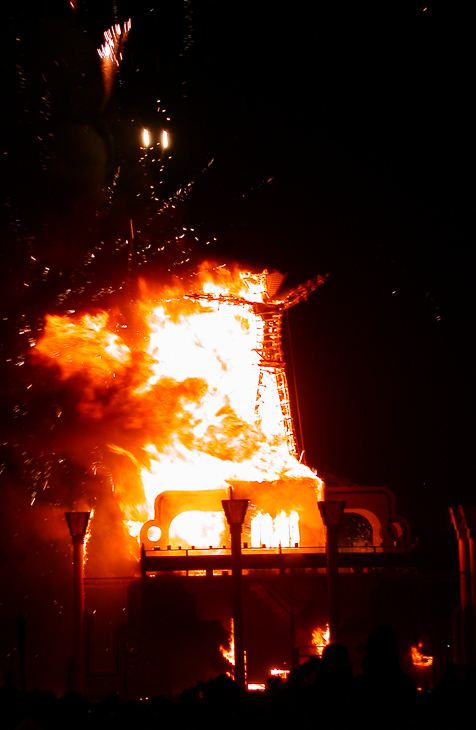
190, 384
320, 639
228, 653
419, 659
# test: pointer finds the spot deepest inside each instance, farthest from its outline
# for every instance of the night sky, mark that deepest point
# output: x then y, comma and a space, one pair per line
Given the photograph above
311, 138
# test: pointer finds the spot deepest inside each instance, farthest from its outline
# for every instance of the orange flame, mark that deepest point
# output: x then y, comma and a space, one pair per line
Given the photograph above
87, 537
283, 530
320, 639
229, 654
419, 659
283, 673
191, 399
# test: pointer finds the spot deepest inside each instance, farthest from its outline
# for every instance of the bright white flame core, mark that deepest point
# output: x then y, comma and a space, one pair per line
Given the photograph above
154, 533
203, 407
146, 138
201, 528
283, 530
217, 342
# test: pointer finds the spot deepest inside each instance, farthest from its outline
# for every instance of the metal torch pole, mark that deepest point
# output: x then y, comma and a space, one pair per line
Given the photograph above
78, 523
333, 582
331, 513
78, 614
235, 531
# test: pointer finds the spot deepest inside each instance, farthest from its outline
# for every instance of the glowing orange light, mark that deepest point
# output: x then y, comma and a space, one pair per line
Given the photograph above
419, 659
165, 139
282, 530
145, 138
229, 654
87, 537
154, 534
283, 673
197, 397
320, 639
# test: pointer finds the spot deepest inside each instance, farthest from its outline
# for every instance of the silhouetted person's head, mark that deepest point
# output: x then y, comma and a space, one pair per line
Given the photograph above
274, 683
336, 655
381, 650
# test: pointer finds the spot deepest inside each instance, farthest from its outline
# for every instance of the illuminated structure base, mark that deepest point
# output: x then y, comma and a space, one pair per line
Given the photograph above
140, 629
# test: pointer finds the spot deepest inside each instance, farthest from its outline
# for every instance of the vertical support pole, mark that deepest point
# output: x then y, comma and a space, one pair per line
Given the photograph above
292, 624
21, 629
78, 613
78, 523
469, 512
331, 513
466, 647
237, 604
333, 583
235, 511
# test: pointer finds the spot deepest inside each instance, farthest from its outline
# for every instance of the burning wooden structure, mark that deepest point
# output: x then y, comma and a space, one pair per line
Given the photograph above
192, 388
270, 497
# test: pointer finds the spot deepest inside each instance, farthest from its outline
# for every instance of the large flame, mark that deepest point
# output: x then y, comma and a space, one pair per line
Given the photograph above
228, 653
190, 403
320, 639
418, 658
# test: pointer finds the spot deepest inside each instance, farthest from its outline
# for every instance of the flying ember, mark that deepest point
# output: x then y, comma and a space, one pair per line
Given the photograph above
190, 383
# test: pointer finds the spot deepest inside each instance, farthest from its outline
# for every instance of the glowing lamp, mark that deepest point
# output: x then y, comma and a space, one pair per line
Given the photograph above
146, 137
77, 523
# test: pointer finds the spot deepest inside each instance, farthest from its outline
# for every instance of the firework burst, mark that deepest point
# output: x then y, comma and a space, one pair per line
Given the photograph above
111, 53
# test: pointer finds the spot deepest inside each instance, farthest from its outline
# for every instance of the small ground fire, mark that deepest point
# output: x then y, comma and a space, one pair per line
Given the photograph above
191, 382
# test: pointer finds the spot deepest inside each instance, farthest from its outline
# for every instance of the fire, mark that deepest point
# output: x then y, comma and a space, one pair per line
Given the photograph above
192, 390
201, 528
320, 639
283, 530
419, 659
229, 654
87, 537
283, 673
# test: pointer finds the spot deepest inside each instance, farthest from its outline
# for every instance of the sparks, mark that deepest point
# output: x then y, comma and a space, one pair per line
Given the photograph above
198, 395
111, 53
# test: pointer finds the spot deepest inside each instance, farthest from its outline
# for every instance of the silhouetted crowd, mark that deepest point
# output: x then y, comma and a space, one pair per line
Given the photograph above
321, 693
